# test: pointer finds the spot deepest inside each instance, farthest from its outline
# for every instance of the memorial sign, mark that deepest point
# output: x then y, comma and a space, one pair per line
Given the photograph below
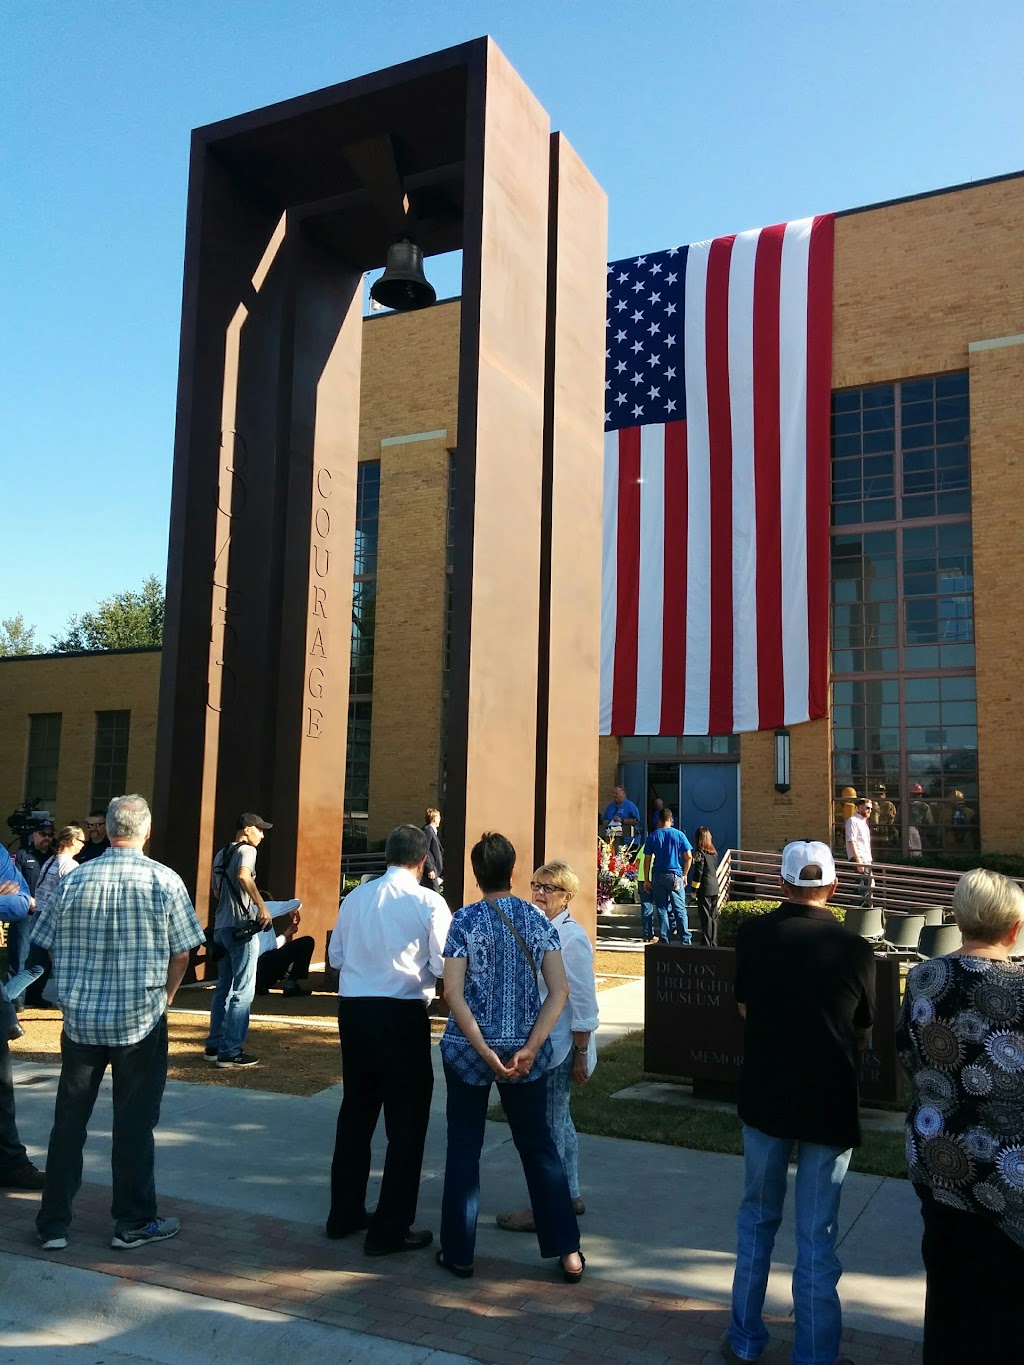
693, 1028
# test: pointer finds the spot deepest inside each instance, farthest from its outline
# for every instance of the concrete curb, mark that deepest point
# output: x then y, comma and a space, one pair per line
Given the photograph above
58, 1305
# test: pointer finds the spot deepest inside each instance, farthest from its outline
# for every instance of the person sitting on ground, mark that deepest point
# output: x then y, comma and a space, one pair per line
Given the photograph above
283, 957
960, 1035
572, 1039
497, 950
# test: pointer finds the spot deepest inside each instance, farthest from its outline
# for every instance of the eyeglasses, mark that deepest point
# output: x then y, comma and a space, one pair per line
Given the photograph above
543, 888
91, 824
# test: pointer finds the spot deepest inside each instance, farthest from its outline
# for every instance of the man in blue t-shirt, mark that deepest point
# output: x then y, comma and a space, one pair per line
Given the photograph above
672, 855
624, 813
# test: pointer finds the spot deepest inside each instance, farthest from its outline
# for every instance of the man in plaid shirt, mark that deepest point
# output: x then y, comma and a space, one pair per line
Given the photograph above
119, 931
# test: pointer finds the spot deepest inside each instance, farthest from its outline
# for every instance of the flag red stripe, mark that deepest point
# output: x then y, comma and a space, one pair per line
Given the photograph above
673, 648
767, 490
720, 453
819, 403
627, 614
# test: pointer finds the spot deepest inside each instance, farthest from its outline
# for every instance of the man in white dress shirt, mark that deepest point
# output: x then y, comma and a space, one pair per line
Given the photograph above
387, 948
858, 847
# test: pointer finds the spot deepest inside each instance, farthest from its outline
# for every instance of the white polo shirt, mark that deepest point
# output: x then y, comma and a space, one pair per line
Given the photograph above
389, 938
858, 839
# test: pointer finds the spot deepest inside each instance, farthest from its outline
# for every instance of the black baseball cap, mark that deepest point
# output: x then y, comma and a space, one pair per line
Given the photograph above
247, 819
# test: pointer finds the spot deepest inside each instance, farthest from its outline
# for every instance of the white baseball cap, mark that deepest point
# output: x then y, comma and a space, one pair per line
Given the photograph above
806, 853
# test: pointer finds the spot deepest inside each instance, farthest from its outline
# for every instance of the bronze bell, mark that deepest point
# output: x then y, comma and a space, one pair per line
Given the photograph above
403, 286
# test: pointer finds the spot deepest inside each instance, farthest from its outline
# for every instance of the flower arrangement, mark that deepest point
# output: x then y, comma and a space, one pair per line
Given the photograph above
616, 873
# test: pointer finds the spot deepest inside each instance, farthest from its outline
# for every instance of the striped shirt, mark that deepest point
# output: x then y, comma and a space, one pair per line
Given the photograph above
112, 928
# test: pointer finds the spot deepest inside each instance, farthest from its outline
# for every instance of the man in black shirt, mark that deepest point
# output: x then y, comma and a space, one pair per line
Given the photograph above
98, 843
806, 988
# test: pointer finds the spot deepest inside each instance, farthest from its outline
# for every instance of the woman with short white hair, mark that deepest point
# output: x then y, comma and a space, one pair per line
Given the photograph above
574, 1052
961, 1038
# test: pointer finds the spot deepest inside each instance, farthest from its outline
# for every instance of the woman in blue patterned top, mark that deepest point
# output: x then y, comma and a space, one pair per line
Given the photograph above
961, 1038
498, 1031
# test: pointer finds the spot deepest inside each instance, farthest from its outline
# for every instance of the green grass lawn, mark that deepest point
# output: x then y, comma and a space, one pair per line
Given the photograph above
703, 1130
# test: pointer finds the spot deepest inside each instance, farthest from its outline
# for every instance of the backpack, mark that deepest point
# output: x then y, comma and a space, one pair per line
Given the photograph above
220, 869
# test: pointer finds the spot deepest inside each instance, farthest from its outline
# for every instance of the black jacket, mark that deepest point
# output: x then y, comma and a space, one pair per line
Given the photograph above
435, 853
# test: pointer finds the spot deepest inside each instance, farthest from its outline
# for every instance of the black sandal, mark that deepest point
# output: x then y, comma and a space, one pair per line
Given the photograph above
464, 1272
570, 1276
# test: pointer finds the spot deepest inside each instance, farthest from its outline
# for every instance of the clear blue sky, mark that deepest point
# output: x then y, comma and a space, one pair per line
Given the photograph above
699, 118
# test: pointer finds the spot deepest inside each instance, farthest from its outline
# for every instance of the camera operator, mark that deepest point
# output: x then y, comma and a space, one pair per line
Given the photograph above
29, 860
241, 914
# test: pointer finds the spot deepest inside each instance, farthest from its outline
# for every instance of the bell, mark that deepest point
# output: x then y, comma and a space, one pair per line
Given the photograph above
403, 286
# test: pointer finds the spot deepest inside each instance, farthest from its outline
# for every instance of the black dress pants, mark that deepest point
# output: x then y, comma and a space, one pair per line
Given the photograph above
12, 1150
708, 910
385, 1063
973, 1278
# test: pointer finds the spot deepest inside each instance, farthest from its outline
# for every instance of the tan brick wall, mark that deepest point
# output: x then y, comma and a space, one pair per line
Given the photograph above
410, 379
770, 819
916, 282
410, 376
997, 496
77, 687
407, 663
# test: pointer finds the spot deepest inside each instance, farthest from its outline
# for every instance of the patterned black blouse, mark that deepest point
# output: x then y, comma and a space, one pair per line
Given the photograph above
961, 1037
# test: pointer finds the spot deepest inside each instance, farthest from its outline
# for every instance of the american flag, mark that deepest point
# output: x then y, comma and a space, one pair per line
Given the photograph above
714, 615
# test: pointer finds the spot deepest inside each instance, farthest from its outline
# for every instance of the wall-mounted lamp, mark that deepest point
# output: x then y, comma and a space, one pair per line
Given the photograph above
782, 760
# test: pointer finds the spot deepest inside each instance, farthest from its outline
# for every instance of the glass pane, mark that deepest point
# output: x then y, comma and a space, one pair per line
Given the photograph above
922, 657
957, 656
881, 396
922, 689
947, 385
957, 689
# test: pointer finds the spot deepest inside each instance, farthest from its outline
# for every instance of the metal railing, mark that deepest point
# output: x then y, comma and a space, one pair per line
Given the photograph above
747, 875
362, 865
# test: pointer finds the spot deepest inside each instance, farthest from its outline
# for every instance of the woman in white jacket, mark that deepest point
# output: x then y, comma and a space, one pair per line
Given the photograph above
572, 1039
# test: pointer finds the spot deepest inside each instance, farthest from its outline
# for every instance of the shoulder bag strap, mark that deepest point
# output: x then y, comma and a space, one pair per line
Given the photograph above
518, 938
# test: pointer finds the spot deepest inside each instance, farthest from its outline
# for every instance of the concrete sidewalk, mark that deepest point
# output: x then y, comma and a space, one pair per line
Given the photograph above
247, 1172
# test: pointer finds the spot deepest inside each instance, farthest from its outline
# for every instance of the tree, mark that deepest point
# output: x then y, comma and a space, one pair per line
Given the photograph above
16, 637
128, 620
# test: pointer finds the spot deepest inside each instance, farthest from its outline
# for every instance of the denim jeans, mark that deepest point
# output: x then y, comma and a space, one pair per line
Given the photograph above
820, 1172
236, 989
526, 1106
139, 1073
559, 1087
670, 902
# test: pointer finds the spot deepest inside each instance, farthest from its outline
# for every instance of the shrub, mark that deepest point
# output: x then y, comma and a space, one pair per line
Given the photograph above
1010, 864
733, 913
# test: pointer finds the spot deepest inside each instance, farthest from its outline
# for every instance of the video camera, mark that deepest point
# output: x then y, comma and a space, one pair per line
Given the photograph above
26, 818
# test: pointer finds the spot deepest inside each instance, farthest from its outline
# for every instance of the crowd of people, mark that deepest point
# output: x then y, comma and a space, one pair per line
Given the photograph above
518, 982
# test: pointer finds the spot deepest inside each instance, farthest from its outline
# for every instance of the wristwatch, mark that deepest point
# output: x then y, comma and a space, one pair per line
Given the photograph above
580, 1051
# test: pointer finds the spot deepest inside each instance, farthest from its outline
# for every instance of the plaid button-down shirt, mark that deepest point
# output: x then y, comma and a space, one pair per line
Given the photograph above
111, 927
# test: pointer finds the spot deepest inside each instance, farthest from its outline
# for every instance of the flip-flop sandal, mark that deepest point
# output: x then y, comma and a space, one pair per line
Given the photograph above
464, 1272
516, 1222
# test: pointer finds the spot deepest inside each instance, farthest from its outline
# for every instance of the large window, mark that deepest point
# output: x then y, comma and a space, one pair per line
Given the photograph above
904, 713
677, 746
43, 759
364, 612
110, 761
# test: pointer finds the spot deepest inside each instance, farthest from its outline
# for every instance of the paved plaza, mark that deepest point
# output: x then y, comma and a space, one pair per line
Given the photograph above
252, 1276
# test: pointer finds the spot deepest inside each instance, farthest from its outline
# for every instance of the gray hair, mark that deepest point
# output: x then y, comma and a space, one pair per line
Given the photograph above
127, 817
406, 846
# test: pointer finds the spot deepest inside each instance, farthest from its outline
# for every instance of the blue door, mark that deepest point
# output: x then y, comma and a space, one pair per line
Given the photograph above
709, 795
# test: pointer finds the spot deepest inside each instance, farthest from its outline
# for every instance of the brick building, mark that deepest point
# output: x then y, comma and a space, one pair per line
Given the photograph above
927, 556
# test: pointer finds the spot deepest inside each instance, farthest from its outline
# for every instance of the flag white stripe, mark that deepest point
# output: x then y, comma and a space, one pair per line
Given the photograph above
698, 497
793, 460
744, 527
609, 576
652, 579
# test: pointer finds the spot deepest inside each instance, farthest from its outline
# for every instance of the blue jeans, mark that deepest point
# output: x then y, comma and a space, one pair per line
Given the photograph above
559, 1087
236, 989
526, 1107
670, 902
820, 1172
